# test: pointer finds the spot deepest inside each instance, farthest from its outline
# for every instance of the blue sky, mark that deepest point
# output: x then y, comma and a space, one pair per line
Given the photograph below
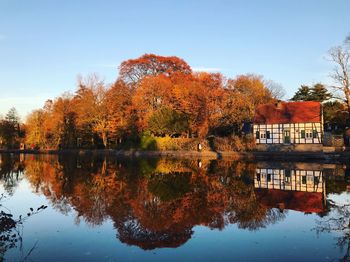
45, 44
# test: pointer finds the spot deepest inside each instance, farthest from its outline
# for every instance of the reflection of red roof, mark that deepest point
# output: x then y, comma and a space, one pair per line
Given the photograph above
294, 200
288, 112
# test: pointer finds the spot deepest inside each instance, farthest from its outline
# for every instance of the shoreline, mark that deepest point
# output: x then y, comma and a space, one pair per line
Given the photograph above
342, 156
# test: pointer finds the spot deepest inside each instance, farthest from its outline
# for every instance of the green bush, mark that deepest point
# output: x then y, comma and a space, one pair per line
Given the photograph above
148, 142
187, 144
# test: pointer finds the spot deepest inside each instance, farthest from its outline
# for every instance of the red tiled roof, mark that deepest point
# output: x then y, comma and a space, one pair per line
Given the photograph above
288, 112
293, 200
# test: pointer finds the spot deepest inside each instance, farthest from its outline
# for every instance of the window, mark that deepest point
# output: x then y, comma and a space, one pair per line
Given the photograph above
268, 136
303, 180
302, 133
263, 135
258, 177
287, 175
268, 177
257, 134
314, 133
308, 134
316, 180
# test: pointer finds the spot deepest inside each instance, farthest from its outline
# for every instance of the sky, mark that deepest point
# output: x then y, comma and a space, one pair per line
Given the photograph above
45, 44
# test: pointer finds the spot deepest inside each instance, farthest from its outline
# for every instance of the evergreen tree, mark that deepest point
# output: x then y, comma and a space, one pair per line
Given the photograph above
10, 128
320, 93
317, 92
303, 94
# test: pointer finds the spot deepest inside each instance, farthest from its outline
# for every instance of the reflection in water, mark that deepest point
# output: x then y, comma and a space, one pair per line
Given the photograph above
156, 203
338, 221
296, 189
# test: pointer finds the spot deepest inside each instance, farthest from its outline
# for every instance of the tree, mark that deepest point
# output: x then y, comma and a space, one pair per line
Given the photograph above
337, 222
276, 90
340, 56
36, 135
12, 116
152, 93
132, 71
167, 121
118, 99
91, 106
10, 130
303, 94
253, 88
318, 92
244, 93
62, 122
336, 114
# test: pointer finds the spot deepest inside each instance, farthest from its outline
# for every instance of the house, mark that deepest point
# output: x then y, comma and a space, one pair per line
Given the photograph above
296, 124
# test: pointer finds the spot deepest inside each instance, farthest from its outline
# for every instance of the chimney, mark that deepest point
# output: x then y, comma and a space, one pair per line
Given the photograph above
278, 104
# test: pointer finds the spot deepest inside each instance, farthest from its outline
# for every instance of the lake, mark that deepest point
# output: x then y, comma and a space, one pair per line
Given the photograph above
87, 208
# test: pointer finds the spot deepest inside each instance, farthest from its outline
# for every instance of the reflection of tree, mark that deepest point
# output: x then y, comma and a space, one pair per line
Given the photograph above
338, 221
153, 203
169, 186
11, 230
133, 233
10, 170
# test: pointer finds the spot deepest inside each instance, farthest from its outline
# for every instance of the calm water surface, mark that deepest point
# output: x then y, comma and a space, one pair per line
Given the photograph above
107, 209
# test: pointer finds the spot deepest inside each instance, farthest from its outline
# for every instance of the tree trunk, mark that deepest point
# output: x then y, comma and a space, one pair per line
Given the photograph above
104, 139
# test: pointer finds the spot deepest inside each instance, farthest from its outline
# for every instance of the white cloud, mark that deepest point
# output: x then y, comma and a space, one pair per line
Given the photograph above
206, 69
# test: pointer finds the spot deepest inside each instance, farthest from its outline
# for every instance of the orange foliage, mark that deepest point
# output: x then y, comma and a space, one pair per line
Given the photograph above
100, 114
134, 70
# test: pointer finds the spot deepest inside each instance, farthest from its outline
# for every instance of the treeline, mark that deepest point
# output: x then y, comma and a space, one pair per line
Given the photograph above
156, 96
153, 95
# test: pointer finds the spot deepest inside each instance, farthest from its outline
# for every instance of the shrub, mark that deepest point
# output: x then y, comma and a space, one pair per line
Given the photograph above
188, 144
147, 142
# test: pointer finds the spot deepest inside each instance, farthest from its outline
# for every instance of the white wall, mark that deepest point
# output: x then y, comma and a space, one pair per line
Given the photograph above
295, 129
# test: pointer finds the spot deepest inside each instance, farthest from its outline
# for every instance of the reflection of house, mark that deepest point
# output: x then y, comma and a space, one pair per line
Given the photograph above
288, 123
301, 190
284, 179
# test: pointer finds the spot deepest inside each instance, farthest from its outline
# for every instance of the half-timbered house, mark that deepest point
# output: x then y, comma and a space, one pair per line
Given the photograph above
288, 123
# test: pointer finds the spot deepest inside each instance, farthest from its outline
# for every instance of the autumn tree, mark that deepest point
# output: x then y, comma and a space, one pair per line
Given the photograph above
244, 93
36, 130
211, 86
132, 71
152, 93
63, 122
118, 99
91, 105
